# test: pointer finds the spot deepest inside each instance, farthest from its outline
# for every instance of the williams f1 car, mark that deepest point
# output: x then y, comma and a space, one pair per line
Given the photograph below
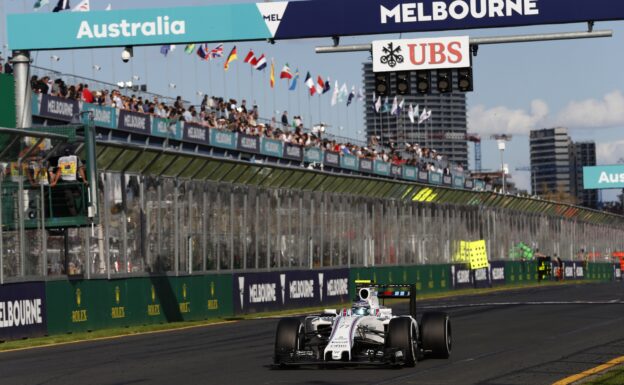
367, 333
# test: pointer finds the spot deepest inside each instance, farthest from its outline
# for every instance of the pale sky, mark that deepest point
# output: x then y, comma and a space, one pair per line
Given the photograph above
577, 84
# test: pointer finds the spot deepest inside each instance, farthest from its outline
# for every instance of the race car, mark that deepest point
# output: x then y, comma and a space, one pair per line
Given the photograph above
367, 333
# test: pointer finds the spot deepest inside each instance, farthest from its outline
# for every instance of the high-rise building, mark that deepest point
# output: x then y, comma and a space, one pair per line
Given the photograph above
445, 131
550, 161
557, 165
584, 154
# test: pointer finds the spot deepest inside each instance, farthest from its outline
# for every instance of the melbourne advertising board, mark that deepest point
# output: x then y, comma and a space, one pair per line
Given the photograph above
257, 292
603, 177
22, 310
291, 20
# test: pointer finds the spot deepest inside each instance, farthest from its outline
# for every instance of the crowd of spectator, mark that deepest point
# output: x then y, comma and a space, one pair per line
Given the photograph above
5, 65
229, 114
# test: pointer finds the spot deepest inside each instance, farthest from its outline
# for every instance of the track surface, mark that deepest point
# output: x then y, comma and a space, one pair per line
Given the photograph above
504, 343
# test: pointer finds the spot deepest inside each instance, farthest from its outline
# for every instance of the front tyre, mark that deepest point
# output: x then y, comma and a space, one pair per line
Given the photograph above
436, 335
402, 336
288, 339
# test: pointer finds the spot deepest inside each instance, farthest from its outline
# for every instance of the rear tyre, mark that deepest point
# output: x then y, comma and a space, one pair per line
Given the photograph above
402, 336
288, 339
436, 335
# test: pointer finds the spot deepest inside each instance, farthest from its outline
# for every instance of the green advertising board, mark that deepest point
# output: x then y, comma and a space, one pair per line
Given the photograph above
7, 101
85, 305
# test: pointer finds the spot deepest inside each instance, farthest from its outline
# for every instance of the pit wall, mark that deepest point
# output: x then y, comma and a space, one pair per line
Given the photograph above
32, 309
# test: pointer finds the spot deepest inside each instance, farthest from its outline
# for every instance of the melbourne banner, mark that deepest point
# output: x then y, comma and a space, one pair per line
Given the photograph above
22, 310
134, 122
58, 108
257, 292
291, 20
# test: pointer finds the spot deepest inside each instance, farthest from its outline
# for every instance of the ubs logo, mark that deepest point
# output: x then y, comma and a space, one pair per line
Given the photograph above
392, 55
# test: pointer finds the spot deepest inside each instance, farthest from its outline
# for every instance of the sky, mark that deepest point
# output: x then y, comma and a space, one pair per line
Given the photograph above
578, 84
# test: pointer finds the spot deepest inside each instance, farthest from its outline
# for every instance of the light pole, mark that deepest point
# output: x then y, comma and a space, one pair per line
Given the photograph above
501, 140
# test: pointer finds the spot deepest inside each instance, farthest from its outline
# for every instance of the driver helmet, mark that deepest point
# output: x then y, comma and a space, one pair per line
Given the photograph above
360, 308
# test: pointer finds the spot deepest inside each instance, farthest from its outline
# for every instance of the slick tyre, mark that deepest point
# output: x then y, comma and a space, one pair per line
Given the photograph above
436, 335
402, 336
288, 338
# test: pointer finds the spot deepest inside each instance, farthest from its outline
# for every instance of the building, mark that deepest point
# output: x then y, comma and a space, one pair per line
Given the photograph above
584, 154
557, 165
444, 132
550, 161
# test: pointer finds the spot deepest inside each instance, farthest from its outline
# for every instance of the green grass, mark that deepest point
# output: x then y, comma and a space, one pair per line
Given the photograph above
134, 330
612, 377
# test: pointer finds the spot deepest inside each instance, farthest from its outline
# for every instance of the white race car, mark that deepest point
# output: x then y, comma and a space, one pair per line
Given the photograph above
365, 334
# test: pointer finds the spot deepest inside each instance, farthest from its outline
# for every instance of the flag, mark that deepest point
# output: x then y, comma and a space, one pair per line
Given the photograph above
62, 5
310, 84
395, 106
378, 104
400, 108
293, 82
386, 106
231, 57
320, 85
410, 113
272, 76
361, 94
424, 116
165, 49
189, 48
217, 52
250, 58
327, 85
351, 96
260, 63
286, 72
203, 52
83, 6
335, 95
40, 3
344, 92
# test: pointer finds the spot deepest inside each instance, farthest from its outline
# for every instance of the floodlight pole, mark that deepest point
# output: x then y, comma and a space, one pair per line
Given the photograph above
23, 91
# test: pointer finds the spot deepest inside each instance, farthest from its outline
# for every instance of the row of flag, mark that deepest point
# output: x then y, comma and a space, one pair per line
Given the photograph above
397, 108
63, 5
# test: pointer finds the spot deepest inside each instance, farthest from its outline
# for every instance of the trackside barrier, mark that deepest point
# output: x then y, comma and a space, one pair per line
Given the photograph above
271, 291
81, 305
65, 306
22, 310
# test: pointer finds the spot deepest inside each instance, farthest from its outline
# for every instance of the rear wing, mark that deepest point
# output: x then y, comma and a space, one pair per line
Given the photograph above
407, 290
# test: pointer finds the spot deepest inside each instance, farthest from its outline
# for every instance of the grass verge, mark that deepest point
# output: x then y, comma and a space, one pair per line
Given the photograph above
614, 376
145, 329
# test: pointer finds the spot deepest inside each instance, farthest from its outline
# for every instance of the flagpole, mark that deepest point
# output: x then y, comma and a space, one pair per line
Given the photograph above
224, 85
238, 89
253, 97
310, 110
264, 96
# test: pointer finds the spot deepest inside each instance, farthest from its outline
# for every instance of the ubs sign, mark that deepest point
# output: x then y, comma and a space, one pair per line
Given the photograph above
421, 54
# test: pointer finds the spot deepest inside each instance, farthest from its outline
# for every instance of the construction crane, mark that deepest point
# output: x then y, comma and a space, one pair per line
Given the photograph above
474, 138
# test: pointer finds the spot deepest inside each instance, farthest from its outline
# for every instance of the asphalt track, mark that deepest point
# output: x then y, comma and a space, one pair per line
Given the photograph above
534, 336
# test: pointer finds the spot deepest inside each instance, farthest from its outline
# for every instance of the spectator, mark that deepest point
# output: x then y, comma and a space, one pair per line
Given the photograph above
285, 120
8, 69
87, 96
